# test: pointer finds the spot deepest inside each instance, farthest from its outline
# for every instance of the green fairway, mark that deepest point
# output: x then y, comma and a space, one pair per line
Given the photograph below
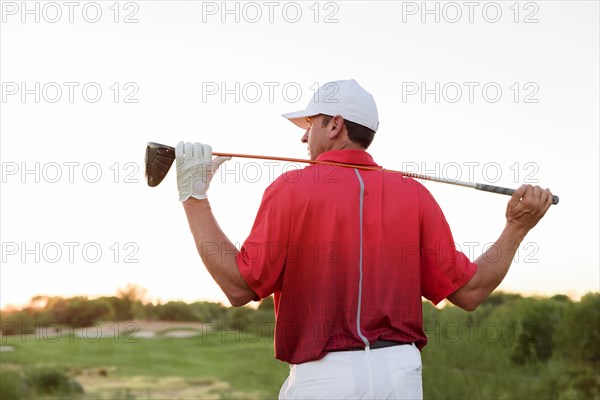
213, 365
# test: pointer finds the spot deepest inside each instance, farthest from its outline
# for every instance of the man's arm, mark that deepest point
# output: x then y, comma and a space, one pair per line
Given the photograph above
195, 170
526, 207
217, 252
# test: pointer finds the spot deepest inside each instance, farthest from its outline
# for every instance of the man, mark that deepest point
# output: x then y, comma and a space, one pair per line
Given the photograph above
348, 253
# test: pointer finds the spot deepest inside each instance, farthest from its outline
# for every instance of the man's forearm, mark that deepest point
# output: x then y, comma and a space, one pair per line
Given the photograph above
217, 251
528, 204
493, 265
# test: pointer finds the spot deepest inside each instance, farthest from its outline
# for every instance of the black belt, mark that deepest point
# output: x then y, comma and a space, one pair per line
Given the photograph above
378, 344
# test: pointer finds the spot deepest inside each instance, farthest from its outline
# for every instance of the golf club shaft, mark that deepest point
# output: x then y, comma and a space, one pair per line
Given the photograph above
478, 186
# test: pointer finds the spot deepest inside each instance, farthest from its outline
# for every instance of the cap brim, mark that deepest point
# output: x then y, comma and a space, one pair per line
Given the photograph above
299, 118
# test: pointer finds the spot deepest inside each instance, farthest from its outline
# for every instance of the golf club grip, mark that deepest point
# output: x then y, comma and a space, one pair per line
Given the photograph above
506, 191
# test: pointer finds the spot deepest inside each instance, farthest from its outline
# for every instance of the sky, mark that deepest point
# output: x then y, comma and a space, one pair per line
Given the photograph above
491, 92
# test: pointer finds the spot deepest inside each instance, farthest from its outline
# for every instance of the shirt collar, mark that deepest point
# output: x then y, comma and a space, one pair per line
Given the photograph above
356, 157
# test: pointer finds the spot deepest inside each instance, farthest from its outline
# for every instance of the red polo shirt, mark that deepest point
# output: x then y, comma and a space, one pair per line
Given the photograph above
348, 254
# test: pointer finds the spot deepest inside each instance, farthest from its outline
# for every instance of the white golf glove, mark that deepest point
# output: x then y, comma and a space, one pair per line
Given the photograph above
195, 169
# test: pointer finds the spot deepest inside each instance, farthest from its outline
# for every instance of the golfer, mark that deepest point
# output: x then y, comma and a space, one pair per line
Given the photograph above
347, 253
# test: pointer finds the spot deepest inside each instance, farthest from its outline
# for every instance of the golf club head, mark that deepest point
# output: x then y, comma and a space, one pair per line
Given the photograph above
159, 158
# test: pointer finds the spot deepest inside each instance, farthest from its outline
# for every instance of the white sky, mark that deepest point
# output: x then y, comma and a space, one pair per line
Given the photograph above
178, 51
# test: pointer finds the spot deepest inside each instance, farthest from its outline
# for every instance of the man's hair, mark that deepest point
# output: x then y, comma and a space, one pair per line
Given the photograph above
357, 133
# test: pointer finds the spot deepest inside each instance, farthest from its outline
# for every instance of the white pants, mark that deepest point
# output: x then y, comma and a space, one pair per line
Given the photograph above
387, 373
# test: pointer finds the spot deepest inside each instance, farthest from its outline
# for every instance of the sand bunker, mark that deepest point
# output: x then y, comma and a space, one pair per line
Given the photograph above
140, 329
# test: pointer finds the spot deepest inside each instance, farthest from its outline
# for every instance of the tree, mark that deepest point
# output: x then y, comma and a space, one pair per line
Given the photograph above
80, 311
17, 322
579, 334
176, 311
539, 320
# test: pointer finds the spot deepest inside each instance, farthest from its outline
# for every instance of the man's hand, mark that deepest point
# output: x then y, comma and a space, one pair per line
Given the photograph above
527, 206
195, 169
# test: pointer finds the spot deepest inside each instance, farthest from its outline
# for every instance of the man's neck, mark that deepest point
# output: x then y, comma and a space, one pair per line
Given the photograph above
346, 146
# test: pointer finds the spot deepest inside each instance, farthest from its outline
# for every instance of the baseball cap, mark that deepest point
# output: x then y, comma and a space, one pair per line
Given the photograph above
346, 98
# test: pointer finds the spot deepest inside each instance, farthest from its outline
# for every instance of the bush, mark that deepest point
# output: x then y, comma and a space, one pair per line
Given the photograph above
51, 381
13, 386
41, 381
571, 381
239, 317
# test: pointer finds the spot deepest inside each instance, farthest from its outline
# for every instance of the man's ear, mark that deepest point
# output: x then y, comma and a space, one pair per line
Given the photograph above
336, 126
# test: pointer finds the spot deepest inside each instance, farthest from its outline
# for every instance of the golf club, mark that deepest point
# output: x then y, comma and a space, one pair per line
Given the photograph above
160, 157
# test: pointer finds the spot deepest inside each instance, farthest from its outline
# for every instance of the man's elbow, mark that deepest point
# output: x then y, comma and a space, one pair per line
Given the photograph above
239, 298
467, 301
469, 306
237, 301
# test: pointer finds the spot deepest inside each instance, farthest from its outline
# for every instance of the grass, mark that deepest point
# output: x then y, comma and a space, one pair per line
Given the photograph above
229, 365
244, 366
236, 368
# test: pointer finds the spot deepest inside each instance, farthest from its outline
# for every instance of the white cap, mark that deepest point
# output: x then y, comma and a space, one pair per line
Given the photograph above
346, 98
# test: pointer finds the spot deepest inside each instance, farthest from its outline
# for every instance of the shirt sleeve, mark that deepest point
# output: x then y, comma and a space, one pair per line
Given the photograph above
443, 269
262, 257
